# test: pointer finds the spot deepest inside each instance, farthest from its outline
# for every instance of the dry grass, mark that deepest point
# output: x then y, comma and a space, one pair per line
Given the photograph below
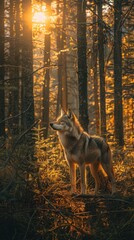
35, 200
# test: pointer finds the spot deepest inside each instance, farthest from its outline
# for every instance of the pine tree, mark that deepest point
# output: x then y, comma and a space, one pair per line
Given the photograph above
82, 63
118, 111
101, 70
46, 85
27, 63
2, 91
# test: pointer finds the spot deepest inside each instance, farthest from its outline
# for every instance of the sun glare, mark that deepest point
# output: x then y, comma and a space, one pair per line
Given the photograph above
39, 14
39, 17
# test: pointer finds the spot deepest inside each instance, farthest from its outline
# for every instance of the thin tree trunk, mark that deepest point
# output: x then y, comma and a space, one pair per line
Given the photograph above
95, 77
118, 112
17, 64
46, 86
82, 63
2, 72
59, 95
62, 74
101, 70
27, 62
45, 115
13, 97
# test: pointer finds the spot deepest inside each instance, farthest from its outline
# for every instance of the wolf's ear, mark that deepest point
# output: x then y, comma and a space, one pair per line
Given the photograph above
62, 112
70, 114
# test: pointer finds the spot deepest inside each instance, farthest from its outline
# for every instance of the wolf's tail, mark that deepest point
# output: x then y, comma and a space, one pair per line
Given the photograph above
106, 159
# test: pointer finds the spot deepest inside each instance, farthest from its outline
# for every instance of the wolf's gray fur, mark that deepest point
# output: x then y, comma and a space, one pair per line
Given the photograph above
81, 149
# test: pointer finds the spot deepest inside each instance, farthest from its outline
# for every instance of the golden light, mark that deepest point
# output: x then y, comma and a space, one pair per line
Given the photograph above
39, 17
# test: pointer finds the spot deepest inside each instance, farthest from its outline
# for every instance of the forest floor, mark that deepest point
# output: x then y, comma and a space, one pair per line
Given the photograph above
34, 210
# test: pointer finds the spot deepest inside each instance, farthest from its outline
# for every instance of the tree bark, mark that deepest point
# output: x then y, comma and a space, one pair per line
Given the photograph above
63, 54
101, 70
46, 85
45, 115
17, 64
27, 63
95, 77
62, 72
13, 106
82, 63
59, 95
118, 112
2, 72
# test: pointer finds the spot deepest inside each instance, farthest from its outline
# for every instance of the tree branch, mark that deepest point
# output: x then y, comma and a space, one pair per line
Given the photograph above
16, 143
15, 116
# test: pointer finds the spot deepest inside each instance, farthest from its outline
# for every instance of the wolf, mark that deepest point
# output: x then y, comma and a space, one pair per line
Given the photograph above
81, 149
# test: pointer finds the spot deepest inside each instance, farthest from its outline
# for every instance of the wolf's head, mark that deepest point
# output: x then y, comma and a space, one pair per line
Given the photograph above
67, 123
64, 122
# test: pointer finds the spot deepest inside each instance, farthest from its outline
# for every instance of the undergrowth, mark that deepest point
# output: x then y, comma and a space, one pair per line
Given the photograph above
35, 199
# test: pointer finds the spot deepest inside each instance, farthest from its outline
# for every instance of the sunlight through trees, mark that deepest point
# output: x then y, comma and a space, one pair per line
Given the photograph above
74, 55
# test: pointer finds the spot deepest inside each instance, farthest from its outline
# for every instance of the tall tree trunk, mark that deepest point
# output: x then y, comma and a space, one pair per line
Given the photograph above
118, 112
62, 73
17, 64
101, 70
2, 73
82, 63
59, 95
45, 115
46, 85
95, 77
14, 88
27, 63
11, 62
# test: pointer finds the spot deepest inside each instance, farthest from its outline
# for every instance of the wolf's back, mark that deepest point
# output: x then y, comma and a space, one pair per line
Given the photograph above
101, 143
106, 154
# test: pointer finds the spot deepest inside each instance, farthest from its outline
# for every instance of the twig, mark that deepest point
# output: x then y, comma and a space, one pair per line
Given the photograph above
16, 143
2, 146
8, 185
99, 197
57, 227
65, 218
103, 212
15, 116
29, 224
127, 13
32, 73
122, 21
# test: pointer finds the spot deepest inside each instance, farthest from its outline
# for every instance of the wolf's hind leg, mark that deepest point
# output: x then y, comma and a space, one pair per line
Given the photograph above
110, 175
94, 171
83, 178
73, 177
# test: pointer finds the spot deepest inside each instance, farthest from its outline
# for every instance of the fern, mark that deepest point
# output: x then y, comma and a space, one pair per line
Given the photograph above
53, 169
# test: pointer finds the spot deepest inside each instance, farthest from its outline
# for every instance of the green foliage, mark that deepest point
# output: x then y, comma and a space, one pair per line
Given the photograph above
52, 168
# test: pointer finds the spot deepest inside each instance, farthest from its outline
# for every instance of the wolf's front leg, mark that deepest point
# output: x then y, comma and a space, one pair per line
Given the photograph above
83, 178
73, 177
